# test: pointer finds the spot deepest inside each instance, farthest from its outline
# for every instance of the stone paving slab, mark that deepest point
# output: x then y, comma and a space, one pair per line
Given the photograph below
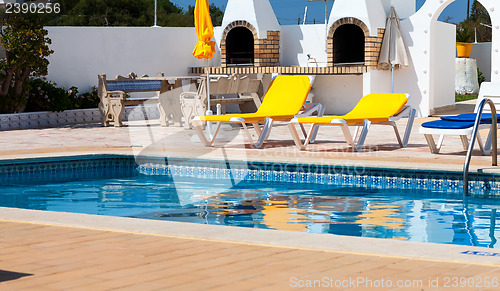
53, 257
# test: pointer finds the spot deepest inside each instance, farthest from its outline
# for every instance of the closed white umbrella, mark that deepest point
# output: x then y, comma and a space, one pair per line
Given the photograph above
393, 53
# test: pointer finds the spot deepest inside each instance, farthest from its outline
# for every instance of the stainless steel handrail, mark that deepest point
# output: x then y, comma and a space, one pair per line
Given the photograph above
474, 136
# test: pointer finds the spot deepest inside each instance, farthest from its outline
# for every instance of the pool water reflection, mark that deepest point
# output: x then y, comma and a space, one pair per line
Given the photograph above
423, 216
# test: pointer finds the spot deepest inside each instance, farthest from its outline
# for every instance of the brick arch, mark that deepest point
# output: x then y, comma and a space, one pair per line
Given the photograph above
266, 50
348, 20
239, 23
372, 43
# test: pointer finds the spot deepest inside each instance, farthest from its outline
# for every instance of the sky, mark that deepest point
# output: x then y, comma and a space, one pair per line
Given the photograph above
288, 11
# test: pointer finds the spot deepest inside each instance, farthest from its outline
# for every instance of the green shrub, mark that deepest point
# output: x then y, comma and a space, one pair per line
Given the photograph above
480, 77
87, 100
464, 34
26, 55
47, 96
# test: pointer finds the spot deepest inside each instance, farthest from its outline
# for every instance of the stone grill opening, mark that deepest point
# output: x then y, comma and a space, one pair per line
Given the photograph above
240, 47
348, 45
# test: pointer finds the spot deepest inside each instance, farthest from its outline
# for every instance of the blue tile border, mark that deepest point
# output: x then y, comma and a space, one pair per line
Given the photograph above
104, 166
65, 169
46, 119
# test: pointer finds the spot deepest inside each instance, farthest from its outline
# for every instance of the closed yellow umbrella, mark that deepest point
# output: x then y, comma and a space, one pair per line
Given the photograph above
205, 47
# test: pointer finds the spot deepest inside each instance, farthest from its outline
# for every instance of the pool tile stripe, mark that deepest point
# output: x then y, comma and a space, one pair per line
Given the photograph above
104, 166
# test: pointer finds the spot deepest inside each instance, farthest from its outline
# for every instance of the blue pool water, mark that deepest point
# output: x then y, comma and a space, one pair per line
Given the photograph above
356, 210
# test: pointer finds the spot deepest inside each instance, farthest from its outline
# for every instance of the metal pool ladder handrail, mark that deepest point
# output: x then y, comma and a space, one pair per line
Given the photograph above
473, 139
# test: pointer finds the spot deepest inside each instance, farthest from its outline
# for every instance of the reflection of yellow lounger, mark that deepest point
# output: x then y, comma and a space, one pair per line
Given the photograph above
284, 99
375, 108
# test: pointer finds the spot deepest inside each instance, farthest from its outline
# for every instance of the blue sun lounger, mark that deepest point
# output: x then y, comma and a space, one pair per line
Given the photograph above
462, 125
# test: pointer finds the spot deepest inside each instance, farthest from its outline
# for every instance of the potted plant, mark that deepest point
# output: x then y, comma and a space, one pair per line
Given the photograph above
464, 42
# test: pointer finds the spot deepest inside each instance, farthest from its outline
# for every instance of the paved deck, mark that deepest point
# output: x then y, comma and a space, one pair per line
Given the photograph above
55, 251
46, 257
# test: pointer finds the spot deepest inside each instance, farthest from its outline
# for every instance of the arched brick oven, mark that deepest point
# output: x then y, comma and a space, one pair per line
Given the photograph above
241, 46
350, 43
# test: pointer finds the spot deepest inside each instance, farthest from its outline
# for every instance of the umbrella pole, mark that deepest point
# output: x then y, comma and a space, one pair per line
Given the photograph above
209, 111
392, 81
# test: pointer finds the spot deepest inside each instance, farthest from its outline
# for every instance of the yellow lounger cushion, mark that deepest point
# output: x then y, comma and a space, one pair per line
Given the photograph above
283, 99
376, 107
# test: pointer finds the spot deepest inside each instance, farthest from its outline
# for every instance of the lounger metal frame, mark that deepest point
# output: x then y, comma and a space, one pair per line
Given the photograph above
263, 133
359, 135
488, 90
435, 148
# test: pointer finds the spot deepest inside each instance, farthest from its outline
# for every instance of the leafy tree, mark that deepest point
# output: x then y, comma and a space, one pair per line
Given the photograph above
215, 14
26, 51
478, 15
126, 13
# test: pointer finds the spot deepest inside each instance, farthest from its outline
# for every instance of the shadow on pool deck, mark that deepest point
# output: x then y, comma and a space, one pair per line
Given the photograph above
8, 276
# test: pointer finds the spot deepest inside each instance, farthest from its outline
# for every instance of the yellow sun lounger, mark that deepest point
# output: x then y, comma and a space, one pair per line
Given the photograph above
283, 100
375, 108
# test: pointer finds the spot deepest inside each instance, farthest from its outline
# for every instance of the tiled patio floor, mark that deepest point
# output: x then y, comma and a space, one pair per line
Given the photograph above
67, 258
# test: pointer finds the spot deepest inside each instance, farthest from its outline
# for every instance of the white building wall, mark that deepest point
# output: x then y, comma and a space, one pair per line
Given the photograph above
493, 7
297, 41
482, 53
259, 13
339, 94
81, 53
371, 12
443, 65
404, 8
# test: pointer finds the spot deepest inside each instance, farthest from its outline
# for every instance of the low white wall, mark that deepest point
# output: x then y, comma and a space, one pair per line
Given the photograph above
339, 94
443, 65
482, 53
81, 53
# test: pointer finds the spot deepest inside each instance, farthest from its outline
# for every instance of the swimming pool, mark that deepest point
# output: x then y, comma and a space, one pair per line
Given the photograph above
381, 203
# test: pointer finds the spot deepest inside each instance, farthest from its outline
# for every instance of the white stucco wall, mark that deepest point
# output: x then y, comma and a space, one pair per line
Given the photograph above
81, 53
482, 53
404, 8
443, 64
259, 13
297, 41
371, 12
339, 94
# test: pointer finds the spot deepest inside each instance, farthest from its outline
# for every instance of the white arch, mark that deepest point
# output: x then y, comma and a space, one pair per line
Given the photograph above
420, 32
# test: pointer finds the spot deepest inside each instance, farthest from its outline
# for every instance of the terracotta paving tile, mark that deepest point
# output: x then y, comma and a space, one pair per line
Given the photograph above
367, 265
469, 271
406, 264
25, 283
73, 282
243, 285
279, 277
100, 260
170, 281
384, 272
143, 287
494, 272
277, 287
197, 284
132, 280
93, 287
